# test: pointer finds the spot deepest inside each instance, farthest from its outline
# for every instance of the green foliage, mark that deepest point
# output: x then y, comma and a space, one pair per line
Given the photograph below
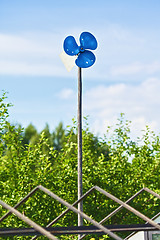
29, 158
30, 135
58, 136
56, 139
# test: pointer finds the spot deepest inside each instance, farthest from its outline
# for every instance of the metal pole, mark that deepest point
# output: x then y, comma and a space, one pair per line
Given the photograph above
79, 142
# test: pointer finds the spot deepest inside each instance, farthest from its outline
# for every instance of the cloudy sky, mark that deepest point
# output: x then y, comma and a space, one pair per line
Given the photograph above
125, 77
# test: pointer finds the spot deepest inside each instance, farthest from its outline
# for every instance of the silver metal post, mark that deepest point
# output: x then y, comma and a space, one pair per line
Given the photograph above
79, 141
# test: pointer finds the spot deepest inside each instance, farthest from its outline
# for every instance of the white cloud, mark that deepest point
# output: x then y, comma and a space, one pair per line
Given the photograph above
31, 54
37, 53
66, 93
28, 68
140, 103
135, 68
124, 54
39, 43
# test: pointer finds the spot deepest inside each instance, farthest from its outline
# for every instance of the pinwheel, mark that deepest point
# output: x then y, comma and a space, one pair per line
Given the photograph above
85, 58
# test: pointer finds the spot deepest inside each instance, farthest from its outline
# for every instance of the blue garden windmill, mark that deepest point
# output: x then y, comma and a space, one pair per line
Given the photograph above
85, 58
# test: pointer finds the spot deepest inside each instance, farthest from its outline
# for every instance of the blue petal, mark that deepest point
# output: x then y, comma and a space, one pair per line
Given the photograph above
88, 41
70, 46
85, 59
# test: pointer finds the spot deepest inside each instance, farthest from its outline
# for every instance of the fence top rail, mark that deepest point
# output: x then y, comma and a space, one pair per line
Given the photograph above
76, 229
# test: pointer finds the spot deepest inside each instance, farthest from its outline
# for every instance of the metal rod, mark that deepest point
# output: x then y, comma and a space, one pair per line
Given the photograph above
79, 142
28, 221
19, 203
117, 210
154, 217
95, 223
152, 192
67, 210
76, 230
120, 207
131, 209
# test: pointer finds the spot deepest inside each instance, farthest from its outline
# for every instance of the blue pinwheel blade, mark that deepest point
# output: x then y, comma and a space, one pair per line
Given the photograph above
85, 59
88, 41
70, 46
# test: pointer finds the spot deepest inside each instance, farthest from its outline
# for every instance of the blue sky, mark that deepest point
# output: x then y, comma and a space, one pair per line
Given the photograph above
125, 77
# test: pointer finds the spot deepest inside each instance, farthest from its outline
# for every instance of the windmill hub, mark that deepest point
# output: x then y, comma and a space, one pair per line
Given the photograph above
82, 49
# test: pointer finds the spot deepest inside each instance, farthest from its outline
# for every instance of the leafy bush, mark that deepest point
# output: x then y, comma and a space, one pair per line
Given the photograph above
106, 163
